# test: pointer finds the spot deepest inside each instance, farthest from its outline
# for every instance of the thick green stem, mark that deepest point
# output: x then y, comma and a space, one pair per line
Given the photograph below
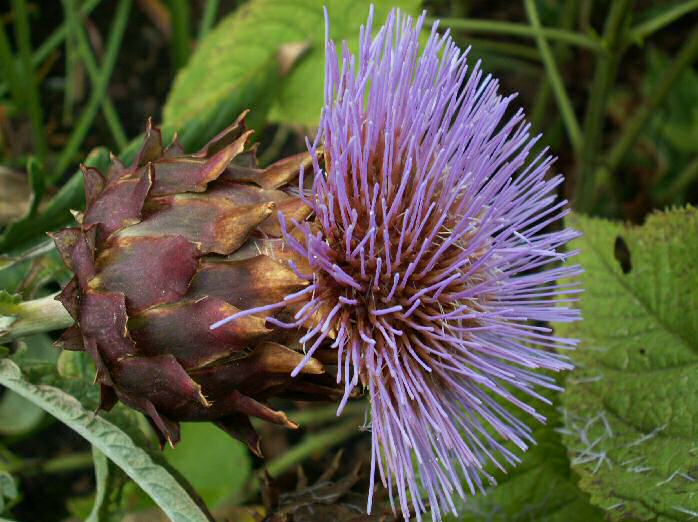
604, 76
32, 317
514, 29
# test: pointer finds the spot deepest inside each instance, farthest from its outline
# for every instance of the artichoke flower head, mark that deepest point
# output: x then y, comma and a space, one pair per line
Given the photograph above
168, 246
433, 269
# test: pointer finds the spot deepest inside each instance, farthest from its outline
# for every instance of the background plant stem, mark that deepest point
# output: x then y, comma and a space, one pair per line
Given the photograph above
514, 29
632, 129
98, 91
313, 443
87, 58
181, 32
555, 79
604, 76
29, 85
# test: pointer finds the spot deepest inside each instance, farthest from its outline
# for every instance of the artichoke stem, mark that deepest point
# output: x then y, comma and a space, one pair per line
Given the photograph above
31, 317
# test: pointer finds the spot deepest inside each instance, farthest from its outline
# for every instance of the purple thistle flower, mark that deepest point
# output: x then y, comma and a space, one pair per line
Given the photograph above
434, 271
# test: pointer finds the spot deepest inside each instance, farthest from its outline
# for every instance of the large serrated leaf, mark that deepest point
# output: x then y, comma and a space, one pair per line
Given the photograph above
239, 61
630, 407
116, 444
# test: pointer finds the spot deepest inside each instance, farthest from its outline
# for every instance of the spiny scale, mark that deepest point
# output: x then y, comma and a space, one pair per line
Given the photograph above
168, 246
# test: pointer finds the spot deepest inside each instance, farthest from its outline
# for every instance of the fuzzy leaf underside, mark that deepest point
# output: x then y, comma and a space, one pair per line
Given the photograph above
116, 444
631, 406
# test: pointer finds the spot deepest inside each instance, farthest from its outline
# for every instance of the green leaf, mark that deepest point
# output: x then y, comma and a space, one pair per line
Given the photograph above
240, 61
234, 64
630, 406
541, 487
8, 489
36, 180
301, 95
115, 443
109, 482
18, 415
204, 448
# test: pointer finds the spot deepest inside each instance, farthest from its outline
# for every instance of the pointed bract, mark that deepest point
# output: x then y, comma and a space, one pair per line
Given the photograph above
151, 275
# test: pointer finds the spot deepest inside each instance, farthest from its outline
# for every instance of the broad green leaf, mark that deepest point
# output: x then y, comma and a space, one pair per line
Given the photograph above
301, 94
630, 406
235, 64
204, 448
239, 62
18, 415
8, 489
540, 488
115, 443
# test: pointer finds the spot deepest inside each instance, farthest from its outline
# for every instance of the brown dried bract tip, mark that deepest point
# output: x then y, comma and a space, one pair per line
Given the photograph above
165, 248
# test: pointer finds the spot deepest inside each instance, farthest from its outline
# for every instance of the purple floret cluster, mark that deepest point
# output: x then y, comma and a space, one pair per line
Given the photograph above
436, 263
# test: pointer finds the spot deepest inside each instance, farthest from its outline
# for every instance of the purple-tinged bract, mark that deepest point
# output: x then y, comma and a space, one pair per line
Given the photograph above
434, 260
